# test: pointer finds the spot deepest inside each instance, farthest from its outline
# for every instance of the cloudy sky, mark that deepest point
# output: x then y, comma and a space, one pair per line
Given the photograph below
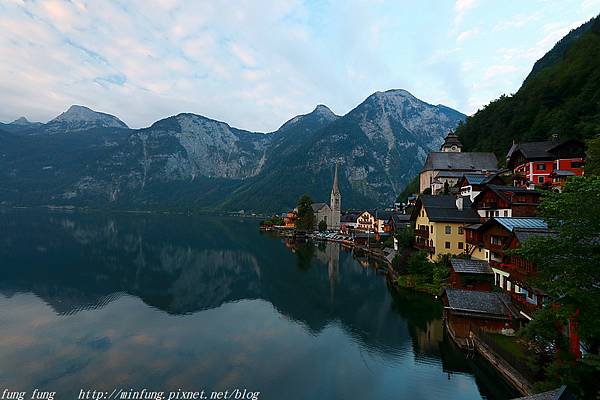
255, 64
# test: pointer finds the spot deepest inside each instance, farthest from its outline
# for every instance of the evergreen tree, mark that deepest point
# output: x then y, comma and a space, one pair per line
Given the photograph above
305, 220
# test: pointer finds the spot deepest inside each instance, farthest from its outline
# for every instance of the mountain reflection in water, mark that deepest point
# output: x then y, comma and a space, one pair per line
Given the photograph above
168, 302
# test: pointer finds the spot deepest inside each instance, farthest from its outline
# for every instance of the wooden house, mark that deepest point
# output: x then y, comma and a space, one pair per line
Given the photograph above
471, 274
506, 201
469, 310
532, 163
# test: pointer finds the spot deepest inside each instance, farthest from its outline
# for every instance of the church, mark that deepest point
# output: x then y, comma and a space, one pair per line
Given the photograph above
330, 213
450, 164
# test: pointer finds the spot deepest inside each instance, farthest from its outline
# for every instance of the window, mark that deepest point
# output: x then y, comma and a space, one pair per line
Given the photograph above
448, 229
497, 213
576, 164
460, 245
447, 245
541, 167
431, 228
540, 179
506, 213
461, 230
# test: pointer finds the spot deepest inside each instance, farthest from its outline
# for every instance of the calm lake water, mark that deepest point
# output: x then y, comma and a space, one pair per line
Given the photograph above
98, 302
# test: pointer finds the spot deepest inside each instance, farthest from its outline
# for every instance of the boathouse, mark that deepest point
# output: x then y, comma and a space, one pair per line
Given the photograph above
468, 310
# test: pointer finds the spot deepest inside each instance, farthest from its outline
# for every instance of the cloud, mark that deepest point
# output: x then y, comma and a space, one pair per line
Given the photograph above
461, 8
517, 21
467, 34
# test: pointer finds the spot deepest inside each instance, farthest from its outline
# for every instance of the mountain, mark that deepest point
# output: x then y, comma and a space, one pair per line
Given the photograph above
19, 125
80, 118
560, 96
190, 161
380, 145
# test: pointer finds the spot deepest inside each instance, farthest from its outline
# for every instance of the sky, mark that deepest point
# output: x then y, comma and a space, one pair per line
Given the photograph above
256, 64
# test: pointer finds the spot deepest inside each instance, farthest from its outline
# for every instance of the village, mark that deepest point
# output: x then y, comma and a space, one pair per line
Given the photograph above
469, 218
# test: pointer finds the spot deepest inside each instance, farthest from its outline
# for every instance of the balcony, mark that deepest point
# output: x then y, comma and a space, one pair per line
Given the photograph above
520, 301
425, 246
424, 233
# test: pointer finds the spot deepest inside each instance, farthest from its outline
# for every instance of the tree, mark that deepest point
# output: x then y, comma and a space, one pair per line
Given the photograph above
592, 160
305, 221
322, 226
569, 271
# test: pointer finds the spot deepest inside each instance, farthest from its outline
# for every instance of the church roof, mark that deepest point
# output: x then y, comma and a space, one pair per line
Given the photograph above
461, 161
318, 206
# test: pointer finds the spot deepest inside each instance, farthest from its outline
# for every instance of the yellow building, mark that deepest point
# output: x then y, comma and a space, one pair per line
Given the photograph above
440, 222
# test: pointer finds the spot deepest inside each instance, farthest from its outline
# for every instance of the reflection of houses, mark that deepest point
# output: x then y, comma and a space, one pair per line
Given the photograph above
467, 310
506, 201
534, 162
446, 167
439, 224
470, 274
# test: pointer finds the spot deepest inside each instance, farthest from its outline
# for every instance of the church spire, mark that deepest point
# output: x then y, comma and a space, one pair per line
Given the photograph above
335, 189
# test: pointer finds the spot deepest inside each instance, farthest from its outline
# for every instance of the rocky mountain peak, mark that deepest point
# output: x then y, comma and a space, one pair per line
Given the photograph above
21, 121
79, 118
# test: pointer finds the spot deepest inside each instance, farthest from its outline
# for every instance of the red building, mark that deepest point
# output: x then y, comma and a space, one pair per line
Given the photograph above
532, 163
506, 201
471, 274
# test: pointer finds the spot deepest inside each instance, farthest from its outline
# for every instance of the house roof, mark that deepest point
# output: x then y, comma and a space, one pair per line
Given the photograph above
463, 266
442, 208
506, 192
460, 161
349, 217
522, 234
562, 172
538, 150
317, 206
490, 303
381, 214
400, 218
510, 223
557, 394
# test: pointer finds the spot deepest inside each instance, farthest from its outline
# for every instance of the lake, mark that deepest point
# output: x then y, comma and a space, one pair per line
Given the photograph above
92, 301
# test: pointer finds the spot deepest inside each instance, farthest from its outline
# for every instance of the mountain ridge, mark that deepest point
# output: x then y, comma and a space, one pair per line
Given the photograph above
192, 161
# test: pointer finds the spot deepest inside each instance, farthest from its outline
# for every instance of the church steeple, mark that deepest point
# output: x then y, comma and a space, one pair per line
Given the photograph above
452, 144
336, 201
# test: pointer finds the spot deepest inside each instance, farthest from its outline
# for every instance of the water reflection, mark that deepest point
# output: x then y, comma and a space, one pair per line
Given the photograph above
228, 307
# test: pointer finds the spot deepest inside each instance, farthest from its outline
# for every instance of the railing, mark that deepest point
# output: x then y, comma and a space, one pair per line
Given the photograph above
424, 233
518, 363
425, 246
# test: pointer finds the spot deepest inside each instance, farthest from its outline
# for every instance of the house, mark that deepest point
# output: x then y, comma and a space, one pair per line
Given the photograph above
471, 274
494, 239
447, 166
469, 310
521, 271
470, 185
397, 222
373, 220
439, 224
533, 162
348, 222
289, 221
506, 201
558, 178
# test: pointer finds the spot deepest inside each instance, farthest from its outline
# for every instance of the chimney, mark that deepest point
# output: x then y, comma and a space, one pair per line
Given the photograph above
459, 202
